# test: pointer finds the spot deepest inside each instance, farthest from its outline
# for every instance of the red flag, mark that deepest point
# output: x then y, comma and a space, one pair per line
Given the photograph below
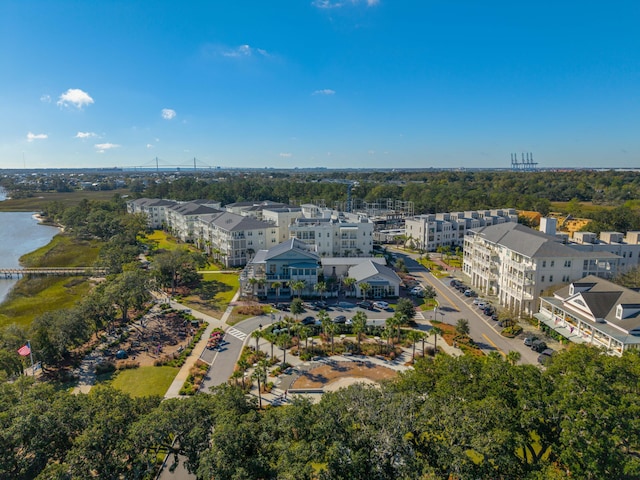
24, 350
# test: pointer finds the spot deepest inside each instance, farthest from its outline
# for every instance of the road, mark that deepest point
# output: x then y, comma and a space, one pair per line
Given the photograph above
453, 305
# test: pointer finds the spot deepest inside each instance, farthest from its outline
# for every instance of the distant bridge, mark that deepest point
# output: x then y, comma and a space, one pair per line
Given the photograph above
53, 272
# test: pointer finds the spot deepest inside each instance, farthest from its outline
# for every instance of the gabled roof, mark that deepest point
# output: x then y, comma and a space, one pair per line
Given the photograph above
190, 208
368, 269
532, 243
287, 246
233, 222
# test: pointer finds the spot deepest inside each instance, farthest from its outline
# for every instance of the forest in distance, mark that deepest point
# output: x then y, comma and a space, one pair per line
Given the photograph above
449, 418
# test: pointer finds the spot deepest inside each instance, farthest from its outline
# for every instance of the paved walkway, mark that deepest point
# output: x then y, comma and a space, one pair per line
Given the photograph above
181, 377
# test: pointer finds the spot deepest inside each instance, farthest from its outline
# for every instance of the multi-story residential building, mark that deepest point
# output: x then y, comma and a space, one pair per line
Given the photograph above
335, 234
516, 264
283, 218
253, 209
233, 239
153, 208
627, 247
594, 311
181, 218
431, 231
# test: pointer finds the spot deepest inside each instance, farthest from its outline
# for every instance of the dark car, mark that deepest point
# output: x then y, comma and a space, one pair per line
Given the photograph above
488, 310
528, 341
308, 320
366, 304
494, 317
340, 319
507, 322
538, 346
545, 356
454, 283
282, 306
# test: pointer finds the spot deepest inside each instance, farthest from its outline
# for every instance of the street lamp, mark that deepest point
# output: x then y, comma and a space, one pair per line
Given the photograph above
435, 312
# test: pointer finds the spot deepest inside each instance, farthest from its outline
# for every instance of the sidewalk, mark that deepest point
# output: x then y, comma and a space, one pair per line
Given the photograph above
174, 389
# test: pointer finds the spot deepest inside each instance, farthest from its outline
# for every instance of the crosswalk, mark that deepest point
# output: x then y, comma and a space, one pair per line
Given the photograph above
237, 333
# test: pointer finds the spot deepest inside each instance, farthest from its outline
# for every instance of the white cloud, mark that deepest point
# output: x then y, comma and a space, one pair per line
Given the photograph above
285, 155
103, 147
326, 4
45, 98
242, 51
149, 145
36, 136
168, 113
85, 135
74, 97
325, 91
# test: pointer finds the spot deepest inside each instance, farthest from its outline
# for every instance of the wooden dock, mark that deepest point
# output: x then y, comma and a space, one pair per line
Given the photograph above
53, 272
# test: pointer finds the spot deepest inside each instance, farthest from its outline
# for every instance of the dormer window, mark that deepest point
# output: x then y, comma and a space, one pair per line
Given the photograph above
619, 311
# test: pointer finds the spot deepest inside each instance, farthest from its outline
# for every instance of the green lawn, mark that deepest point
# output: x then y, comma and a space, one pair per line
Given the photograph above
145, 381
231, 280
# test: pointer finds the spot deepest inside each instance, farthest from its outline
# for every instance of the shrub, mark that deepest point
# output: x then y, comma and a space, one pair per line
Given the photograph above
105, 367
253, 310
127, 364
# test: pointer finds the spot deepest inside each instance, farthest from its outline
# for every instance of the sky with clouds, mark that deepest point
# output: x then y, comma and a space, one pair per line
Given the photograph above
319, 83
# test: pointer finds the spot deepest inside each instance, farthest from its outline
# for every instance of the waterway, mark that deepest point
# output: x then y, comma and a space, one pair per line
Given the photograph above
20, 233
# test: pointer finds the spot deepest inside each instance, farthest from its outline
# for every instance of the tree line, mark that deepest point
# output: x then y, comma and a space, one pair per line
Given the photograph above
449, 418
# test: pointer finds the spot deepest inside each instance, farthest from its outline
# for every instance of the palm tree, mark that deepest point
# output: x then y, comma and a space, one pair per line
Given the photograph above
298, 286
283, 342
387, 334
325, 320
271, 338
364, 288
462, 327
349, 283
320, 287
435, 331
257, 334
304, 331
414, 336
277, 285
253, 281
513, 357
359, 322
392, 323
261, 283
332, 329
260, 374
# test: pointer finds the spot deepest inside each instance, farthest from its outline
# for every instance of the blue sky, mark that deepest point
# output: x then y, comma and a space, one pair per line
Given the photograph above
329, 83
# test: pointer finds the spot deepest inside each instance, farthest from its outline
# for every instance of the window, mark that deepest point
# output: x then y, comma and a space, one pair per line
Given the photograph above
567, 263
551, 278
544, 263
542, 278
553, 263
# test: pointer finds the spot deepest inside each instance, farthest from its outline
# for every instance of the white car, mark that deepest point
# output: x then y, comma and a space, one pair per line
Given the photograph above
381, 305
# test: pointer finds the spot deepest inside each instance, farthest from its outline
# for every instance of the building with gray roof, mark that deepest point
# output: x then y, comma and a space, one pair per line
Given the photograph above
594, 311
516, 264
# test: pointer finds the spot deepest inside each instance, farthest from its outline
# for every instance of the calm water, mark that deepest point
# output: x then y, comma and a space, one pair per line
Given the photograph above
20, 233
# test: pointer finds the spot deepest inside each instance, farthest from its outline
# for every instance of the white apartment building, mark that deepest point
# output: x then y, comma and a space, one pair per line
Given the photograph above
180, 219
341, 235
283, 218
594, 311
234, 239
153, 208
431, 231
516, 264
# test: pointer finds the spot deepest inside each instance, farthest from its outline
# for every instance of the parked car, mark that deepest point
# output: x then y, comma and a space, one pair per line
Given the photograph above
545, 356
529, 340
366, 304
470, 293
488, 310
416, 290
340, 319
538, 346
476, 301
494, 317
381, 305
507, 322
308, 320
482, 305
282, 306
454, 283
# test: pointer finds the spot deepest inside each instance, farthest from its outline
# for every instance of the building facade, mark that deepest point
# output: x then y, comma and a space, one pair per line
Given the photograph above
516, 264
594, 311
432, 231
